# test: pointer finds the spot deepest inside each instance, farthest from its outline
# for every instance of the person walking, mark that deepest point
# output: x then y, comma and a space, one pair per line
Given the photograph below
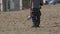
35, 13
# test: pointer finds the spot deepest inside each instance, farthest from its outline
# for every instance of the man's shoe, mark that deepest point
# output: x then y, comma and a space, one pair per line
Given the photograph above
33, 26
37, 26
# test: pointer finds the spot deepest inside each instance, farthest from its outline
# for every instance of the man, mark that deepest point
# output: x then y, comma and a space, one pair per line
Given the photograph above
35, 6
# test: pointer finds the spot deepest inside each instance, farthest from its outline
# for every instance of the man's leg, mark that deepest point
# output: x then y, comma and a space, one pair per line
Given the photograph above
34, 20
38, 20
34, 17
38, 17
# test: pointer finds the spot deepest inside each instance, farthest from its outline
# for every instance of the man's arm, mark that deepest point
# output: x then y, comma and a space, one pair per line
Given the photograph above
30, 3
29, 16
41, 2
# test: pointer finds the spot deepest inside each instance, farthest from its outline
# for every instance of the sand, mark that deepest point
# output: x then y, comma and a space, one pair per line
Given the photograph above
17, 23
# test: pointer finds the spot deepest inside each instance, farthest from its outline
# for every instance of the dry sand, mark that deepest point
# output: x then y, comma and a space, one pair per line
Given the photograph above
17, 23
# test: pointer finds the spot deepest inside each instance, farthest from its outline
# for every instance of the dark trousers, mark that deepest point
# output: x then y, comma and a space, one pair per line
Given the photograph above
36, 16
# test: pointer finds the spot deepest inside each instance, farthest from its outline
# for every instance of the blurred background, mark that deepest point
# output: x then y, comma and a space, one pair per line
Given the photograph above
15, 5
51, 1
